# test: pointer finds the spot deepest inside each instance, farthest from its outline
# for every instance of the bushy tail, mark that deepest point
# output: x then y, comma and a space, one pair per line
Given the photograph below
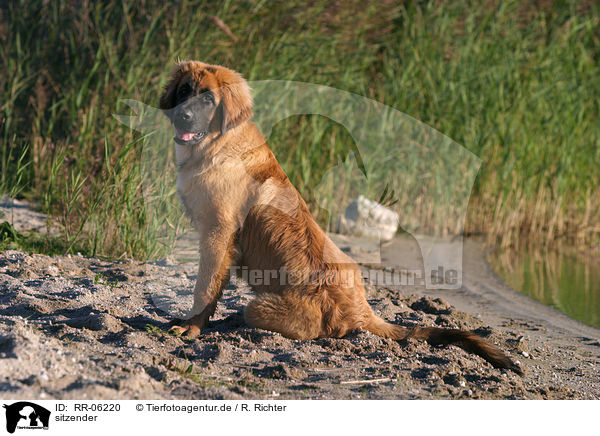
441, 336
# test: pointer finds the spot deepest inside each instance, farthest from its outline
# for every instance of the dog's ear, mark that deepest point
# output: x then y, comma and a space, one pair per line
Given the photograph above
167, 99
236, 104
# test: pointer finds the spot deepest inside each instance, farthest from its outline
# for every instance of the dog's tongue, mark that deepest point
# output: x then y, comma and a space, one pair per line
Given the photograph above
183, 135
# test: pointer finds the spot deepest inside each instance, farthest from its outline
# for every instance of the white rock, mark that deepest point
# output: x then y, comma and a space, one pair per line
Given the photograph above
364, 217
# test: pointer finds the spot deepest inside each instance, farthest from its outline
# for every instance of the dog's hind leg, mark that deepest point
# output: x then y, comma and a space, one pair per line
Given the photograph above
294, 316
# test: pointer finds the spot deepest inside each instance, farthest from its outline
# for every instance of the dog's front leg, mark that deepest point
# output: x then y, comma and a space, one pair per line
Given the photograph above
217, 253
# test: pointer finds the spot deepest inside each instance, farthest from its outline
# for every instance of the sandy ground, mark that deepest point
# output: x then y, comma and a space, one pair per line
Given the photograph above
74, 328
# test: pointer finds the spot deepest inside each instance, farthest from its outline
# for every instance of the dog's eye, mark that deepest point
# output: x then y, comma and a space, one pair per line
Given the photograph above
184, 90
207, 99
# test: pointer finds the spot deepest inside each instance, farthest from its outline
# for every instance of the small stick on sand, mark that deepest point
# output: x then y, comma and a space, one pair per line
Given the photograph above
376, 380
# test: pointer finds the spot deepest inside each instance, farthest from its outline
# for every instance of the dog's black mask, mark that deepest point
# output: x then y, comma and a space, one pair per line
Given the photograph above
192, 114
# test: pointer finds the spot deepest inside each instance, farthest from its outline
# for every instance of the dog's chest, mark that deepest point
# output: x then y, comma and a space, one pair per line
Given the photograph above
195, 194
205, 195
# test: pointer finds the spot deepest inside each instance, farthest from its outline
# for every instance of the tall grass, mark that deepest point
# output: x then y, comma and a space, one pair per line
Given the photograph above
514, 82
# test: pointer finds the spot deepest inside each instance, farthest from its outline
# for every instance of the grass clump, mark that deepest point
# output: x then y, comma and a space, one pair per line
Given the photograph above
32, 242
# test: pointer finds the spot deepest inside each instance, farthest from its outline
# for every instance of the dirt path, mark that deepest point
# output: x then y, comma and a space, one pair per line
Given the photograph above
72, 327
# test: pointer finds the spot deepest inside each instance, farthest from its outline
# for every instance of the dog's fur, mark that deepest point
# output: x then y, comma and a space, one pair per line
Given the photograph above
248, 214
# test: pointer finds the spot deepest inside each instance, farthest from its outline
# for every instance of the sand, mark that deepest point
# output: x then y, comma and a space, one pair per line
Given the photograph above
78, 328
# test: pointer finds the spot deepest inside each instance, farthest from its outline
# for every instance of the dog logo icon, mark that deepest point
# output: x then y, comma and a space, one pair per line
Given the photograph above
26, 415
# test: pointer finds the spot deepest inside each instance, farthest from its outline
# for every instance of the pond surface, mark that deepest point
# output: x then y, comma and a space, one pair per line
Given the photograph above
569, 282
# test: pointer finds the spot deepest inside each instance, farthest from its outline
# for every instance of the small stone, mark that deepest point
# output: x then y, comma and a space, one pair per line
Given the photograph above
51, 270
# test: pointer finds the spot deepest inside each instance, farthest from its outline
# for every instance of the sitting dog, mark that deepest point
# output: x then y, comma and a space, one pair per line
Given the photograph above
248, 214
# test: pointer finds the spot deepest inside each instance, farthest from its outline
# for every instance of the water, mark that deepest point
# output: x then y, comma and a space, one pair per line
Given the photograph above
565, 279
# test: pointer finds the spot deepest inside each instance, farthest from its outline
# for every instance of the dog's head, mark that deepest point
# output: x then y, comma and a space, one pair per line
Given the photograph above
202, 99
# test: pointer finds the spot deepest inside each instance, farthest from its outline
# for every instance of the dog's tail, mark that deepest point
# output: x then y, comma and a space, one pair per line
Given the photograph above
441, 336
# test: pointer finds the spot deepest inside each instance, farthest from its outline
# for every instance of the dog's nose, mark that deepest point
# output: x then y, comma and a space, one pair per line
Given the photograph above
185, 114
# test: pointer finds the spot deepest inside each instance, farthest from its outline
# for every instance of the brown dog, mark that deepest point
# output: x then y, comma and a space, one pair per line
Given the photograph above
248, 213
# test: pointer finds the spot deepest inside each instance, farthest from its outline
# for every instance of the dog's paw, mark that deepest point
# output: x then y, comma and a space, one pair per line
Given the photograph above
189, 331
